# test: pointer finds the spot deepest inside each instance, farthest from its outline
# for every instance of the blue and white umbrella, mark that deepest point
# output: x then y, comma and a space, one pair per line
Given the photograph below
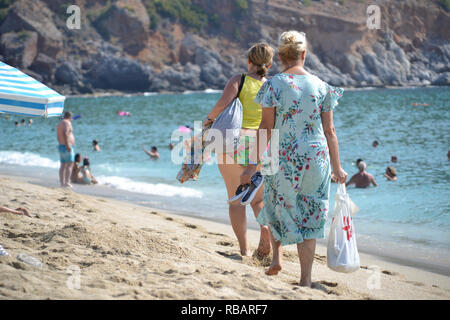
22, 95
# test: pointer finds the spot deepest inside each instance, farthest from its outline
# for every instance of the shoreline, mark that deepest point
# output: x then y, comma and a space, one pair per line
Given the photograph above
127, 251
394, 256
114, 93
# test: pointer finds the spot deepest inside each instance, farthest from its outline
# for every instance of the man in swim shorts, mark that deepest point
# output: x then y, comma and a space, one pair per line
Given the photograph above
66, 142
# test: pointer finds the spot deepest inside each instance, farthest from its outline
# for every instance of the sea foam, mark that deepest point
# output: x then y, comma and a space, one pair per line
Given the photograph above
159, 189
26, 159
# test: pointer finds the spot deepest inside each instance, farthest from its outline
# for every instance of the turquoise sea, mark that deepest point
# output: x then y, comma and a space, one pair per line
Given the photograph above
408, 219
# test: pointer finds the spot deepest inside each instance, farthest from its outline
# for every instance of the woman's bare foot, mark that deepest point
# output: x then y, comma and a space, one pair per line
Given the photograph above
273, 270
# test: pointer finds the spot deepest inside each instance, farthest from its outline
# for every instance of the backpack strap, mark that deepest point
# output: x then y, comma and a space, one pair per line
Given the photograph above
241, 85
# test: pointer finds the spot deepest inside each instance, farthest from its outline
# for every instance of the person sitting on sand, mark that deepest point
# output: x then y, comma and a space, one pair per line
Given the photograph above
95, 145
20, 211
391, 174
153, 154
76, 174
86, 175
362, 179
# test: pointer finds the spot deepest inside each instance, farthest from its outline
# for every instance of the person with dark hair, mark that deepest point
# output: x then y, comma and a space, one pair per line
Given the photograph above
86, 175
358, 161
16, 123
66, 142
375, 144
394, 159
153, 154
391, 174
76, 175
95, 145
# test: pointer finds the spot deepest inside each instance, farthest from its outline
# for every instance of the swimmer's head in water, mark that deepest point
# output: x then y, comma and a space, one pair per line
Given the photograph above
391, 171
375, 143
94, 142
362, 166
154, 149
358, 161
394, 159
78, 158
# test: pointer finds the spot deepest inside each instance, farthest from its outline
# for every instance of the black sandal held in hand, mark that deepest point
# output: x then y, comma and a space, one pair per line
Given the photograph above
257, 180
240, 192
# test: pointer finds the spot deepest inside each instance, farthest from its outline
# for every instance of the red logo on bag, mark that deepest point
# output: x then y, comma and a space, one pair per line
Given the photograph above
348, 227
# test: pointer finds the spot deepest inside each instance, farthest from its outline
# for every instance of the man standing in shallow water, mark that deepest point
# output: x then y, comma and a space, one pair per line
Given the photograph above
66, 142
362, 179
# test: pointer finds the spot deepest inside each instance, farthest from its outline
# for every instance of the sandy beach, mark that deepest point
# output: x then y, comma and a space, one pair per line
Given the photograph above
125, 251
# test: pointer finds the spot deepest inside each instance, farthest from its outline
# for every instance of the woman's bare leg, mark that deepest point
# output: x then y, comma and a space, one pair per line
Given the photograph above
306, 251
265, 238
231, 174
275, 267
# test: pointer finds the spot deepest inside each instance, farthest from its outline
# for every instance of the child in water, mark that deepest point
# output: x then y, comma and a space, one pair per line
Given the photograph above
86, 175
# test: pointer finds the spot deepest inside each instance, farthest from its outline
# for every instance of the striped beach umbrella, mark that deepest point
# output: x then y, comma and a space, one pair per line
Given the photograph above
22, 95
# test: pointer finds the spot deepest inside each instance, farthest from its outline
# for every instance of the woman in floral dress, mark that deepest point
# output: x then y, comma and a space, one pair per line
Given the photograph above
300, 106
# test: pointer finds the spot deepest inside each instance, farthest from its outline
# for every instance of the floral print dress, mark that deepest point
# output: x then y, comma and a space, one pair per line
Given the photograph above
296, 196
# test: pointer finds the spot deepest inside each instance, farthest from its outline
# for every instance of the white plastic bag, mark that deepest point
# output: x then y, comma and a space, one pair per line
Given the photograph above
342, 252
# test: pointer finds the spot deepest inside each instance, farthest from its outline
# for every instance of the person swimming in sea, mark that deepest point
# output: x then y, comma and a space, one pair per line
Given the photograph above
95, 145
362, 179
391, 173
154, 154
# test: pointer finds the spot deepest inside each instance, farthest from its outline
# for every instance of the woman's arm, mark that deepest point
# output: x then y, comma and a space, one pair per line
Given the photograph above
228, 95
264, 133
333, 146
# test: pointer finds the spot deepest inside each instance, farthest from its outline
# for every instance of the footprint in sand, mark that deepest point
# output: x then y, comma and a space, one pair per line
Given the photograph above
225, 243
231, 255
390, 273
324, 286
217, 234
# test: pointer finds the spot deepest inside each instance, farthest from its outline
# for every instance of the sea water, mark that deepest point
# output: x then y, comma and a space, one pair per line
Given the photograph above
409, 215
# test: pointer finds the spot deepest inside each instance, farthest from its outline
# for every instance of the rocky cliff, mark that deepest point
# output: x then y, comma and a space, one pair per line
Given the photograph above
177, 45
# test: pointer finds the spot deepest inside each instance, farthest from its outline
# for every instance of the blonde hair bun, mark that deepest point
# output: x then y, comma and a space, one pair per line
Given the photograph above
291, 45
